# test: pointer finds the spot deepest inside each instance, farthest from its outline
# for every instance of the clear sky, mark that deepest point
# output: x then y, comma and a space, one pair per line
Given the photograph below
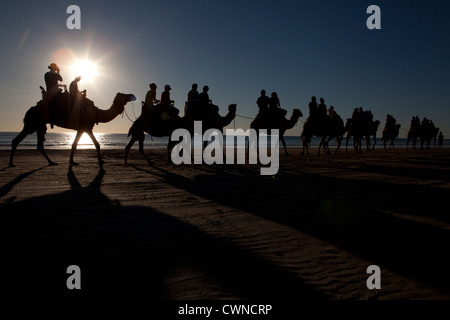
296, 48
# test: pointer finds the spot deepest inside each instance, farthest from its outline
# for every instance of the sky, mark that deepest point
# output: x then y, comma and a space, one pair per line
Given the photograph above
296, 48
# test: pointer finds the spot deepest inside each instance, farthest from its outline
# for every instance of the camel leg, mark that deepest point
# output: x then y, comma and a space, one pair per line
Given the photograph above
320, 145
346, 143
284, 145
306, 143
128, 147
40, 147
302, 139
328, 141
338, 141
97, 147
326, 149
14, 145
74, 147
141, 147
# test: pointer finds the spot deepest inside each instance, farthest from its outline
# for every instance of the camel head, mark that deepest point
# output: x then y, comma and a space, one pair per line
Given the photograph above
121, 100
376, 124
297, 113
232, 108
289, 124
348, 124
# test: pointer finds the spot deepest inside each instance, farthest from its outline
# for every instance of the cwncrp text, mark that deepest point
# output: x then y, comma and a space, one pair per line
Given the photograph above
228, 309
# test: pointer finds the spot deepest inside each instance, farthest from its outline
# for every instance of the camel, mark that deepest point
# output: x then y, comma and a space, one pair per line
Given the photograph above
318, 126
152, 123
390, 133
427, 133
337, 130
372, 129
281, 123
356, 130
81, 116
413, 135
364, 129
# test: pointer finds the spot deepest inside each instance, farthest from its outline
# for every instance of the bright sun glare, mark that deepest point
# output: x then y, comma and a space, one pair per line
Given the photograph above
86, 69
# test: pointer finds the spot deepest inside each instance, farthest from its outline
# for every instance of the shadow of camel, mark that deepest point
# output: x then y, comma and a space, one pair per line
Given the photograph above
355, 215
123, 251
7, 187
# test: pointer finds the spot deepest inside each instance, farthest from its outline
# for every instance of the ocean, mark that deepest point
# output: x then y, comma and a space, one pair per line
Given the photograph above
120, 140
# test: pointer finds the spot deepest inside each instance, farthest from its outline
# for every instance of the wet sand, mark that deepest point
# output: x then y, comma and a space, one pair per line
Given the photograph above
151, 229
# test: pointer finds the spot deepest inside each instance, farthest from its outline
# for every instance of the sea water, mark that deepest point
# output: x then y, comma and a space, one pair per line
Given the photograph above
54, 140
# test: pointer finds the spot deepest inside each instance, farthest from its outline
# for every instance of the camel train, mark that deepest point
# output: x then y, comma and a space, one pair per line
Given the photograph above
328, 127
424, 131
79, 113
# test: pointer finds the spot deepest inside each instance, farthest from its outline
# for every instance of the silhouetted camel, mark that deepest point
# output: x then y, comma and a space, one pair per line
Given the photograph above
319, 126
359, 131
372, 132
356, 130
337, 131
154, 125
427, 133
390, 133
413, 135
60, 111
277, 122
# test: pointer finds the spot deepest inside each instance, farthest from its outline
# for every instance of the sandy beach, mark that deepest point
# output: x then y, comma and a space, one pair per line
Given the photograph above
156, 230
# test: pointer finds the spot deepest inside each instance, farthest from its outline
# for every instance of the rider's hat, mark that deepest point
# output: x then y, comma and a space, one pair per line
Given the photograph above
167, 87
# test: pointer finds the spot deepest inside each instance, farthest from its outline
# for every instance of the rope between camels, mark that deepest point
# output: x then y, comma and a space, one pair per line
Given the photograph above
125, 111
244, 117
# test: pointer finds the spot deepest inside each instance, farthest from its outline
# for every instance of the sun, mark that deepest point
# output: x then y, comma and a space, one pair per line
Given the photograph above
86, 69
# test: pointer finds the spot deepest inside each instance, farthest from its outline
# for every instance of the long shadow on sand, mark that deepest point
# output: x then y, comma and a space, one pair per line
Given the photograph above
352, 214
123, 251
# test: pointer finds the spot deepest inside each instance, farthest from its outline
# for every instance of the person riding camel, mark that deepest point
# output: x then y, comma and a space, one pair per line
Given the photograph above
73, 88
275, 112
166, 104
192, 107
274, 101
322, 107
312, 107
331, 112
390, 122
150, 97
203, 98
51, 79
207, 108
77, 97
263, 103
